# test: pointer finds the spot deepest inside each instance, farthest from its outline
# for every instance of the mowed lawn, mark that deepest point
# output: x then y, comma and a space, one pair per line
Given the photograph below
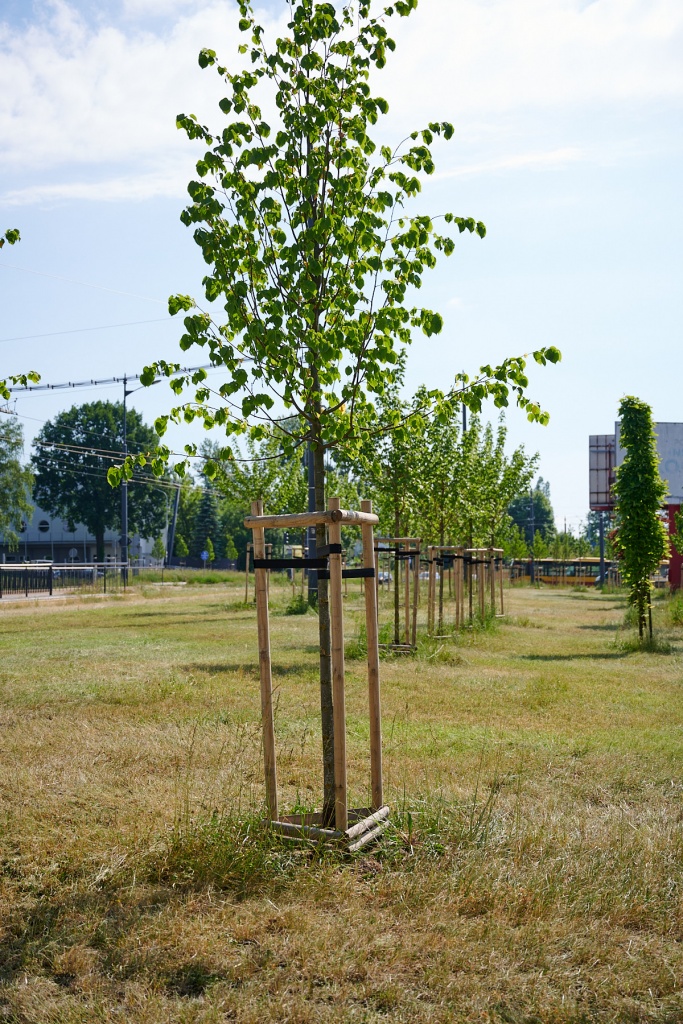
534, 868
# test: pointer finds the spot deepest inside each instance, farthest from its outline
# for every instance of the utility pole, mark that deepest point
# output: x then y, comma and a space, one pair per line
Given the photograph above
124, 490
170, 539
124, 483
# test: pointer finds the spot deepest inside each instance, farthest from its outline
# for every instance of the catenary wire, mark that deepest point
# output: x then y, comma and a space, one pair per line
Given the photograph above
82, 330
84, 284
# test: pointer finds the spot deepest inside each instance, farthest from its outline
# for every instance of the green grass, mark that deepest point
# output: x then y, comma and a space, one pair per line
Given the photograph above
533, 870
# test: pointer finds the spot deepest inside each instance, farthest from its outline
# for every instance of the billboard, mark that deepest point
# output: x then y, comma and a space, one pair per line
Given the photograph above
670, 451
601, 465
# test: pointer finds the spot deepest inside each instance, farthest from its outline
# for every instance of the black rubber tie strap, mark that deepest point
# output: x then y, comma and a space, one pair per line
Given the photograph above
290, 563
349, 574
330, 549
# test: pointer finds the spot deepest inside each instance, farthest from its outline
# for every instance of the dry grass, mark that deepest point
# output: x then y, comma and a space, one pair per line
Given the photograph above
533, 872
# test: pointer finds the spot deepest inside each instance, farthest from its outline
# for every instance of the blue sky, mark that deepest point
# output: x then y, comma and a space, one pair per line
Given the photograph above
568, 146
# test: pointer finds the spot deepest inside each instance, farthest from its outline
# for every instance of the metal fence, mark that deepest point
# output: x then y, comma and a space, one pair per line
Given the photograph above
26, 580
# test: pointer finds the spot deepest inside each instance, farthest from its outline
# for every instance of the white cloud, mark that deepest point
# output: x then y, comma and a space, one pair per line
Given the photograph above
129, 188
517, 161
104, 98
475, 57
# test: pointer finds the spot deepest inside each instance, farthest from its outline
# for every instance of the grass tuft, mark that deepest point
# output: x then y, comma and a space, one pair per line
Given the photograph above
297, 606
239, 856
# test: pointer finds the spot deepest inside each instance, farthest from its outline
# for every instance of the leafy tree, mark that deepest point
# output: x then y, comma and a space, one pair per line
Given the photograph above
678, 523
16, 481
540, 548
280, 481
230, 549
159, 549
497, 479
641, 538
303, 224
188, 505
210, 553
514, 545
206, 522
70, 461
389, 467
180, 548
544, 517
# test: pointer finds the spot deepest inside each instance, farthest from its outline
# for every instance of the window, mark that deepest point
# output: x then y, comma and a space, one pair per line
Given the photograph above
43, 526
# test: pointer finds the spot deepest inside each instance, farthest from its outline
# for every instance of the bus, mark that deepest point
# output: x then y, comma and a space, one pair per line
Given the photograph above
569, 572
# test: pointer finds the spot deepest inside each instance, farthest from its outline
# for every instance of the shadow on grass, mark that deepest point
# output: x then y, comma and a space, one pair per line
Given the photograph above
572, 657
610, 627
251, 669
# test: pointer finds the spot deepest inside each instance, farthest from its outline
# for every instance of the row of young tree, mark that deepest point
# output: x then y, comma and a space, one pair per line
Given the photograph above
434, 480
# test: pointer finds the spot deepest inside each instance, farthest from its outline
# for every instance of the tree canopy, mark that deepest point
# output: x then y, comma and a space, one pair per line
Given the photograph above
641, 537
72, 454
15, 481
519, 510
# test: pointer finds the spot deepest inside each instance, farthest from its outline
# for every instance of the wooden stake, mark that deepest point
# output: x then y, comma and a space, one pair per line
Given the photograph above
406, 592
481, 584
261, 587
416, 591
502, 599
246, 574
341, 817
371, 633
430, 590
492, 580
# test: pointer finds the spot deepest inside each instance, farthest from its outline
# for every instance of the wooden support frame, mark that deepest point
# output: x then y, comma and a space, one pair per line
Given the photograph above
489, 563
353, 827
410, 549
438, 551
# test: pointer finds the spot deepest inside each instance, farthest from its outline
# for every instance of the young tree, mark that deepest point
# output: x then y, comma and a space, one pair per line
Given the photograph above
16, 481
188, 505
514, 545
389, 469
206, 522
498, 478
180, 548
312, 253
543, 516
641, 539
231, 552
540, 547
210, 553
70, 461
159, 549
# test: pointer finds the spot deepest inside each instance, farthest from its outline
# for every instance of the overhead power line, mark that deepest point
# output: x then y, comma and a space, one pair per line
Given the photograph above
83, 330
84, 284
99, 383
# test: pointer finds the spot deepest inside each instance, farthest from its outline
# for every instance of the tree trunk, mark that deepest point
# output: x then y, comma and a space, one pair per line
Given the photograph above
99, 544
326, 713
442, 541
397, 617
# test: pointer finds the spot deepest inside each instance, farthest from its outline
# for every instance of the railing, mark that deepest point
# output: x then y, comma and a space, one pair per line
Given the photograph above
27, 579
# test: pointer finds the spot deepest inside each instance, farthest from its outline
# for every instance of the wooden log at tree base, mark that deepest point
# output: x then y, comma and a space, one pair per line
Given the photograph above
365, 826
